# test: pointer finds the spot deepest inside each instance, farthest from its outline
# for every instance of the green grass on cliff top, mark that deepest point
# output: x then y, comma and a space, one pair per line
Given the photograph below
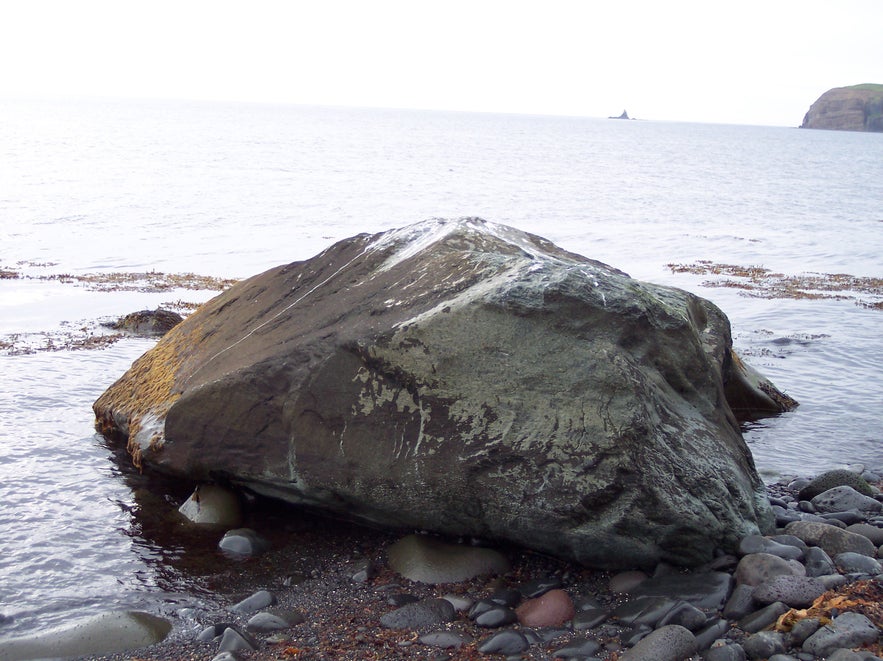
870, 87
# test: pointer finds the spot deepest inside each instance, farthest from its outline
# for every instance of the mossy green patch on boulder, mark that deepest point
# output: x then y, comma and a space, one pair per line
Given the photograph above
839, 477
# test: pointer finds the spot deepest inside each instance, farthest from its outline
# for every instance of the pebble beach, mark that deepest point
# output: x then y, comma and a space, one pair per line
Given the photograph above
332, 590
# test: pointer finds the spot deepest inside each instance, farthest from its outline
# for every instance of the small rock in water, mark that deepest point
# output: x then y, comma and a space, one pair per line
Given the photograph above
243, 542
715, 629
211, 505
147, 323
644, 610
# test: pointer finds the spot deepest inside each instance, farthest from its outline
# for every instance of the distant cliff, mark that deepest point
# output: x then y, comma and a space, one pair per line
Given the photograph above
856, 108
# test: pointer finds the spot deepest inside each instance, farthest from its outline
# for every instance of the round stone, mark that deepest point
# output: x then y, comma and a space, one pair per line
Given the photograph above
425, 559
759, 544
831, 539
848, 630
243, 542
856, 563
795, 591
626, 581
506, 642
211, 505
756, 568
845, 499
552, 609
873, 533
496, 616
764, 644
668, 643
443, 640
257, 601
835, 478
419, 615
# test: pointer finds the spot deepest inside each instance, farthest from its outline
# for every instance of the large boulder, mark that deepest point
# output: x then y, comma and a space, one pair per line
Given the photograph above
465, 378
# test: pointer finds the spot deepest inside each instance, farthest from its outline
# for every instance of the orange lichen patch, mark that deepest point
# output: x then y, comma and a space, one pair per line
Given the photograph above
763, 283
865, 597
148, 388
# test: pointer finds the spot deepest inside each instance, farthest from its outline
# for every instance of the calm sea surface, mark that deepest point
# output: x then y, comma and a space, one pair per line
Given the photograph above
231, 190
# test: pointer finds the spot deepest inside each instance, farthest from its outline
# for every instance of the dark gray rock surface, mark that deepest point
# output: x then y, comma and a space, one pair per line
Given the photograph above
464, 378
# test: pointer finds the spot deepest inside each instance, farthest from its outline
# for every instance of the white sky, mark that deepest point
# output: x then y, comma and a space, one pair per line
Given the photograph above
733, 61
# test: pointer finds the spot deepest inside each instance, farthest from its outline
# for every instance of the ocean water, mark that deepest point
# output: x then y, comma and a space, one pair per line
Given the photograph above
102, 187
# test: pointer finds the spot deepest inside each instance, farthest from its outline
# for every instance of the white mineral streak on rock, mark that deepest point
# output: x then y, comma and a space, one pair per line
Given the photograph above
150, 433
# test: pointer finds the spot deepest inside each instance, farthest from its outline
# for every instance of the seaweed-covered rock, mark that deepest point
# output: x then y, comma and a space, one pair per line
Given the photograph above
150, 323
464, 378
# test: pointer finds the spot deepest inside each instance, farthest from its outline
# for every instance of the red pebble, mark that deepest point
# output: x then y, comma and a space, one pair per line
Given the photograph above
549, 610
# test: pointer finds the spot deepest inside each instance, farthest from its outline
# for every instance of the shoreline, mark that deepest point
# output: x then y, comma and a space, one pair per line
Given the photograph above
334, 580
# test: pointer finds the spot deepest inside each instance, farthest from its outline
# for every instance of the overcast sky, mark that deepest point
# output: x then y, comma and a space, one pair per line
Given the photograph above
744, 62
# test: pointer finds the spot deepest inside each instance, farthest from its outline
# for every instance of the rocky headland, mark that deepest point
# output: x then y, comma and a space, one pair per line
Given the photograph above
855, 108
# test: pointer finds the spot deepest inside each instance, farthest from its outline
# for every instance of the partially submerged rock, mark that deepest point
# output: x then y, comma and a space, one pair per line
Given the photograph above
211, 505
149, 323
464, 378
105, 633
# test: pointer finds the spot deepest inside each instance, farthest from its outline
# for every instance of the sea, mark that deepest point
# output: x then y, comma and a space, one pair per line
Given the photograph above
94, 188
